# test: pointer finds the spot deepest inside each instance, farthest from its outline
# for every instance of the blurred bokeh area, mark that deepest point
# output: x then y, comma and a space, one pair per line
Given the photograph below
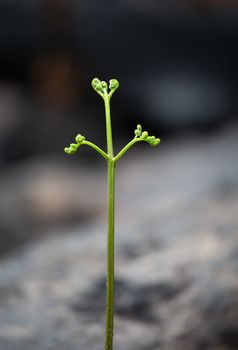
176, 204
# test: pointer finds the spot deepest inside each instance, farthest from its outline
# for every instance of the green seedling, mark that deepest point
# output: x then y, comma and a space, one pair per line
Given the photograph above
101, 87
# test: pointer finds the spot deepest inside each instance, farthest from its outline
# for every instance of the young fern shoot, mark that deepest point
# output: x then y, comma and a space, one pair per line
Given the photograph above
101, 87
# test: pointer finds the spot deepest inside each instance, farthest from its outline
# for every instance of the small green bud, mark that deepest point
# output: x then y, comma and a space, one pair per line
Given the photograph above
157, 141
98, 85
113, 84
104, 85
138, 130
95, 83
150, 140
153, 141
99, 88
73, 148
79, 139
70, 150
73, 145
144, 135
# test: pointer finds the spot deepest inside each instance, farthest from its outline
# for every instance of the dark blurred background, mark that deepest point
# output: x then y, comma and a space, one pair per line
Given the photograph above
177, 63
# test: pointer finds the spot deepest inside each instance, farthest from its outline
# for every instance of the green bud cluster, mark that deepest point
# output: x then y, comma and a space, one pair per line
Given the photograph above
72, 149
113, 84
101, 87
152, 140
143, 135
138, 131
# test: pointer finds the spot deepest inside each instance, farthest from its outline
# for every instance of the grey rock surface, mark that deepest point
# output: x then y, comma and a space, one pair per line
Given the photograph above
176, 261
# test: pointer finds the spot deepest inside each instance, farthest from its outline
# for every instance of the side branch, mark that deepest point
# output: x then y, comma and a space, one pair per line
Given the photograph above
140, 136
80, 140
126, 148
98, 149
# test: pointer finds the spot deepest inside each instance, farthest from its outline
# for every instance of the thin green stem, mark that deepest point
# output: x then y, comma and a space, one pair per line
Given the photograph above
126, 148
108, 126
98, 149
110, 229
110, 257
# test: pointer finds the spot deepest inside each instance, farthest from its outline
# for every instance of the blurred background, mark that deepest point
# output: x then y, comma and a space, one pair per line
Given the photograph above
177, 205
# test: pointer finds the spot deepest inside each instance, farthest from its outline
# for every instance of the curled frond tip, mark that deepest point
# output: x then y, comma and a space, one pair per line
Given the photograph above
101, 87
72, 149
143, 135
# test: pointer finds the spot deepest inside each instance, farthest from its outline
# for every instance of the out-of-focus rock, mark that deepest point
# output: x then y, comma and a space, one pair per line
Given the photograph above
176, 261
40, 195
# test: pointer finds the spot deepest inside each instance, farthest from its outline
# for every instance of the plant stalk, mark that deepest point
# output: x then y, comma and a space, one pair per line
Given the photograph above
110, 230
110, 257
101, 87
